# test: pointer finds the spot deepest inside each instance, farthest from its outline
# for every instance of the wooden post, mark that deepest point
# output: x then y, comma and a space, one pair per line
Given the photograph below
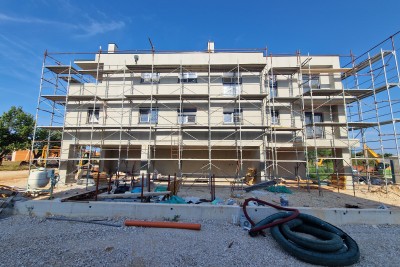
169, 185
97, 185
148, 182
213, 187
174, 191
109, 183
141, 196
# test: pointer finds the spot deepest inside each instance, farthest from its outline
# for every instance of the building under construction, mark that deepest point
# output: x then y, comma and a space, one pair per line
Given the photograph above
221, 112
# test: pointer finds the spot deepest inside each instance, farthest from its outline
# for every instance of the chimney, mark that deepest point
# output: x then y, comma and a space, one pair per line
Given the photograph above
210, 46
112, 48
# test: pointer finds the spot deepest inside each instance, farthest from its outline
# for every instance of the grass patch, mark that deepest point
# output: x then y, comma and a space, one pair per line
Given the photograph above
324, 172
13, 166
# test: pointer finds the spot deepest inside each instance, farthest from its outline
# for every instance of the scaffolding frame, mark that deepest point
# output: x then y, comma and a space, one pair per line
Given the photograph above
270, 141
376, 72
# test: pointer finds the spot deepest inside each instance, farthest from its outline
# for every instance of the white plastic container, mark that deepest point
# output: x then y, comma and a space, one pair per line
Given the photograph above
38, 178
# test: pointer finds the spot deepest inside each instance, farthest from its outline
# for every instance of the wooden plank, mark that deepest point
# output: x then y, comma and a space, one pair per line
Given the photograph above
260, 185
84, 195
132, 195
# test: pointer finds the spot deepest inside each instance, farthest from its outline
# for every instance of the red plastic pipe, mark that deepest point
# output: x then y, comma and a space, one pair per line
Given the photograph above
189, 226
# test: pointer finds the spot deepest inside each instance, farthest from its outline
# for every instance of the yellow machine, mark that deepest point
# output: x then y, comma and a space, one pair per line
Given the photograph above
85, 159
84, 168
369, 152
51, 158
383, 168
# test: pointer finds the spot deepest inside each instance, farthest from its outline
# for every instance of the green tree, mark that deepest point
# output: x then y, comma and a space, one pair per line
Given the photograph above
16, 130
41, 138
386, 155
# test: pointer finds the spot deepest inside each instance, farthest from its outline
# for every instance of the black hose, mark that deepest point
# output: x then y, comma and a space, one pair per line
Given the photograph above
330, 247
326, 241
257, 228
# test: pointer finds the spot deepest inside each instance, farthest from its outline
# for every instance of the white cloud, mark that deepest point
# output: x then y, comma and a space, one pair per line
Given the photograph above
86, 29
19, 61
96, 27
16, 44
6, 18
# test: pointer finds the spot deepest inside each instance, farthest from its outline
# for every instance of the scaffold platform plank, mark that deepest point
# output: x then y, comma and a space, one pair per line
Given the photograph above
88, 64
328, 123
83, 98
324, 70
283, 70
359, 93
55, 98
361, 125
283, 129
364, 64
323, 92
364, 93
70, 79
166, 96
205, 68
284, 99
61, 69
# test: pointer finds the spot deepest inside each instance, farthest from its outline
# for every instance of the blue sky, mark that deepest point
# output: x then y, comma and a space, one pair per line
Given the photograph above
28, 28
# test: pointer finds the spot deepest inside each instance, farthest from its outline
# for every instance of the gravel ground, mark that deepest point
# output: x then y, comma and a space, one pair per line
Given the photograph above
330, 198
32, 241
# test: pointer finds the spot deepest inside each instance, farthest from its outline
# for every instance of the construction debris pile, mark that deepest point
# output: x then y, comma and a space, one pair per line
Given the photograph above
7, 194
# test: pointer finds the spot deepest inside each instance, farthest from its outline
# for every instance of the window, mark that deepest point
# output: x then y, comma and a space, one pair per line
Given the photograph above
187, 116
274, 117
147, 115
150, 78
232, 89
233, 116
310, 82
232, 83
310, 130
231, 78
187, 77
273, 86
93, 115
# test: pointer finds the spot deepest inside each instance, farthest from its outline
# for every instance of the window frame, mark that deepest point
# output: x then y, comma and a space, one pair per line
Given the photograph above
185, 114
273, 86
232, 78
187, 77
235, 116
311, 81
232, 89
154, 77
93, 115
275, 117
309, 119
152, 115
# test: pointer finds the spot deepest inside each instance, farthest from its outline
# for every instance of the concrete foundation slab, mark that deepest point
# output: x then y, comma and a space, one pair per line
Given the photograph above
227, 213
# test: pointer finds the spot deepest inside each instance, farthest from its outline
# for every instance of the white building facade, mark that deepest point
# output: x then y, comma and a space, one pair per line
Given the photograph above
205, 113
